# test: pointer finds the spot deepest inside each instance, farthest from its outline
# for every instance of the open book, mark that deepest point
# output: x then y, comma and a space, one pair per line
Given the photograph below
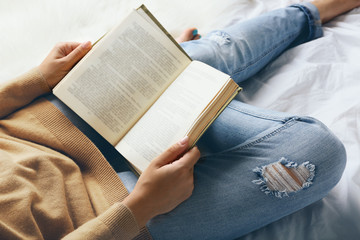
141, 91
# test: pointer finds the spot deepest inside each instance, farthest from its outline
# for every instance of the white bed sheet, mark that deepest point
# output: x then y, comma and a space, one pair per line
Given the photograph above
320, 78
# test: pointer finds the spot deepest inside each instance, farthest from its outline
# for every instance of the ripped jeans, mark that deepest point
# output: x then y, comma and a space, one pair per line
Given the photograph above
257, 165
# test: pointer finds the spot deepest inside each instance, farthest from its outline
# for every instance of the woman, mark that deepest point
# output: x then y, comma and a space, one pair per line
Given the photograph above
256, 165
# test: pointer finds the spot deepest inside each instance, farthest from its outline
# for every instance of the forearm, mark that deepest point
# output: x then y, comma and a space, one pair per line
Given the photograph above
21, 91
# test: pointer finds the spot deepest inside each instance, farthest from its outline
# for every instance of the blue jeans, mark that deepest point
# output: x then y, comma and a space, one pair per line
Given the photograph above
231, 197
235, 191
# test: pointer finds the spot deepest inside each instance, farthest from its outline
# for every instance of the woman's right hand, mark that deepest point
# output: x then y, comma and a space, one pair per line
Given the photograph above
168, 181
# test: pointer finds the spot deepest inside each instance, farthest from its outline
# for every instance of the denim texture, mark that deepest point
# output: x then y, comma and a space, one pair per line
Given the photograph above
226, 204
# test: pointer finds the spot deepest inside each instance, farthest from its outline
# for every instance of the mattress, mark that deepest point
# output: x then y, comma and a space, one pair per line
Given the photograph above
319, 79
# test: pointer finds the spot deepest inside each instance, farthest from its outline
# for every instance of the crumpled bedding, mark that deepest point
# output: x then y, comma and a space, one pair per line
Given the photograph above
320, 79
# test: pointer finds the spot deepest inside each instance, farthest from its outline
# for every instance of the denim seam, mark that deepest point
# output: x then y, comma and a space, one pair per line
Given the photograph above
259, 115
287, 124
310, 20
251, 63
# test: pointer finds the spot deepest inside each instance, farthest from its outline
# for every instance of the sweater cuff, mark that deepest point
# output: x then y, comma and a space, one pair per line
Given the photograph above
34, 83
119, 214
21, 91
31, 84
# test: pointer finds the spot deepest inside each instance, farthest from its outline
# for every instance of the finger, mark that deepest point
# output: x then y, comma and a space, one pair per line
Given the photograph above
172, 152
190, 158
70, 46
78, 53
62, 49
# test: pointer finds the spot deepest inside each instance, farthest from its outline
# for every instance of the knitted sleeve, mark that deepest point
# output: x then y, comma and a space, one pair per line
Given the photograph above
21, 91
116, 223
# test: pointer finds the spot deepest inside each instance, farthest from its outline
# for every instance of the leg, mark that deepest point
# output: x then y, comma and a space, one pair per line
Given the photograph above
231, 198
227, 202
246, 47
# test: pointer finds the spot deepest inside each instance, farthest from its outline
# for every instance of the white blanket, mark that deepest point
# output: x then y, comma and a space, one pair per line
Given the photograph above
320, 78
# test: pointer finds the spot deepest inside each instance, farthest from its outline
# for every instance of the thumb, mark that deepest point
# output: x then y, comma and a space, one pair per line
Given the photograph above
172, 153
78, 53
190, 158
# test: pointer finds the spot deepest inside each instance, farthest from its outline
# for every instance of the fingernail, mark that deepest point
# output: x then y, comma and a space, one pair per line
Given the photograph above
184, 141
86, 45
195, 32
199, 36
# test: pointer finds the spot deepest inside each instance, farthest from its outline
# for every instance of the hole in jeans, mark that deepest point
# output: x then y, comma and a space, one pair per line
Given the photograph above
220, 38
284, 177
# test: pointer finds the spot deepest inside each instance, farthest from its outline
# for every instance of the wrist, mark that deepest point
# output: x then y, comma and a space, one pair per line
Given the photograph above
141, 213
46, 77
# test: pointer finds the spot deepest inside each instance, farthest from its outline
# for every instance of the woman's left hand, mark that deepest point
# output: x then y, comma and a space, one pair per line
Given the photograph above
61, 59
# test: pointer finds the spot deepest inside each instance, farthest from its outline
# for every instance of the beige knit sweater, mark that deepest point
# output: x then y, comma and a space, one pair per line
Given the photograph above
54, 182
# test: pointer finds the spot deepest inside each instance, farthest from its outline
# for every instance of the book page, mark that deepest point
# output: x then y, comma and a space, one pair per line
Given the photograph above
122, 76
172, 116
147, 15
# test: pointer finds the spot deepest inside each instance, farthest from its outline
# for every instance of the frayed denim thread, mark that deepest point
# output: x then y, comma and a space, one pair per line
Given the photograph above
262, 181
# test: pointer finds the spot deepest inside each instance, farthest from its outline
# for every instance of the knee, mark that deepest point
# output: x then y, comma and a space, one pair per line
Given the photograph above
216, 49
314, 157
325, 151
